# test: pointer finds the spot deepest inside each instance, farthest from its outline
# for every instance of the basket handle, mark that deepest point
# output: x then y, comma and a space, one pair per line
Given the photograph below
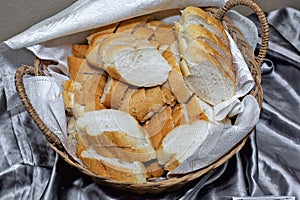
261, 17
21, 71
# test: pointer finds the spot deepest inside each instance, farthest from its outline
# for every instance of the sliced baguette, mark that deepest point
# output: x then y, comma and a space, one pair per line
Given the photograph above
143, 32
113, 93
208, 80
179, 115
165, 35
110, 127
126, 154
195, 111
125, 57
88, 87
167, 95
155, 24
95, 50
175, 80
78, 65
159, 126
209, 76
197, 16
179, 87
133, 66
84, 88
68, 95
208, 42
134, 172
181, 143
131, 25
98, 39
103, 33
79, 50
111, 28
145, 102
154, 169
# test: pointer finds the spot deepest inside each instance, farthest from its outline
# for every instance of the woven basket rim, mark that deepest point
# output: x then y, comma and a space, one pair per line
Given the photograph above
174, 182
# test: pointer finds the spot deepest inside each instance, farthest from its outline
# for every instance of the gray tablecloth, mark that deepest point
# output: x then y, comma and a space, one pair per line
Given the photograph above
269, 163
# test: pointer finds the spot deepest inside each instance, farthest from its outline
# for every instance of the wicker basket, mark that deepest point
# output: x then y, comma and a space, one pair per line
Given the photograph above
174, 182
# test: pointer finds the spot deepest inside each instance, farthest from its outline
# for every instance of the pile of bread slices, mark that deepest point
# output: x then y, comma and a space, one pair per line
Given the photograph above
140, 95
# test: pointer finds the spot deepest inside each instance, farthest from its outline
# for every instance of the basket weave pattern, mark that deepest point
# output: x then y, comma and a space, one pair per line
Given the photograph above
174, 182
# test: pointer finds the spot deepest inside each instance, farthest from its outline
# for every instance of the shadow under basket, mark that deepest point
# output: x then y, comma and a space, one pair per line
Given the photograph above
173, 183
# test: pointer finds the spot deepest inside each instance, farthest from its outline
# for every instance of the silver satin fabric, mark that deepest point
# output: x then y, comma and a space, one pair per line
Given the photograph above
269, 163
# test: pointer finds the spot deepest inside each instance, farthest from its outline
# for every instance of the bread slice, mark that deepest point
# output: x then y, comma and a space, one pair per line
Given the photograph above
92, 56
206, 56
168, 54
68, 96
127, 58
99, 38
78, 65
179, 115
167, 95
132, 63
143, 32
155, 24
126, 154
84, 88
181, 143
208, 42
133, 172
102, 33
165, 35
124, 106
113, 93
88, 87
111, 28
145, 102
179, 87
195, 111
197, 16
175, 80
115, 128
154, 169
131, 25
159, 126
208, 80
79, 50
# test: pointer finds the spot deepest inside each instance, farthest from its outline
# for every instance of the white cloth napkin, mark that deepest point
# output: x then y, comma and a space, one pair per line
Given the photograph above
88, 14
